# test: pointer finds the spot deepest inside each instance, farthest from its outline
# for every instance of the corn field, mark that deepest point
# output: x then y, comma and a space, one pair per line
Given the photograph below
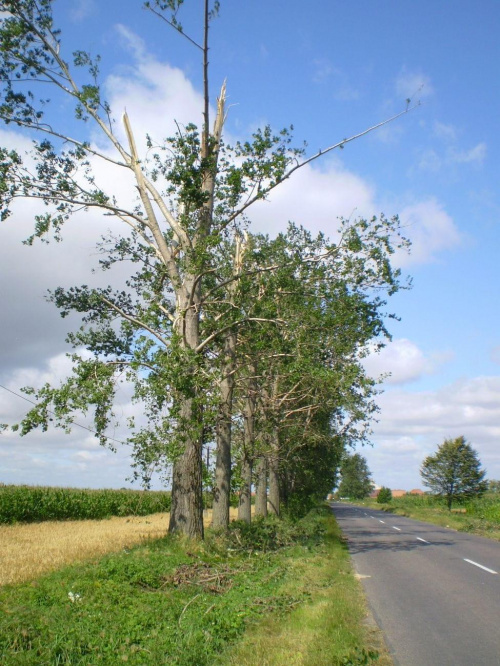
29, 504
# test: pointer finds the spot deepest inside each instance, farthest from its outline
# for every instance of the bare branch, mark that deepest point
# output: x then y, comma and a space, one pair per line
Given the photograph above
134, 320
340, 144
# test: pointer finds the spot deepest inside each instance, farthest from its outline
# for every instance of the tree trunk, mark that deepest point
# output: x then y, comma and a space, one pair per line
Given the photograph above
245, 502
186, 512
274, 486
222, 489
261, 489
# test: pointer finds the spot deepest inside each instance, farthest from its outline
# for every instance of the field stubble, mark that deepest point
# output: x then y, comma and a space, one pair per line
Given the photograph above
29, 550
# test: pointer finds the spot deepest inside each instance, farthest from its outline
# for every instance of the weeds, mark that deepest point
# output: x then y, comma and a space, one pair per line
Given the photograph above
184, 603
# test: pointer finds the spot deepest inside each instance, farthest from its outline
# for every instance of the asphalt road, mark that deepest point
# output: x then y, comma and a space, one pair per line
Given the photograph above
435, 593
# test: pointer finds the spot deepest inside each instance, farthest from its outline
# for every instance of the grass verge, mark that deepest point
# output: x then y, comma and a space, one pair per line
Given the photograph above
477, 518
274, 592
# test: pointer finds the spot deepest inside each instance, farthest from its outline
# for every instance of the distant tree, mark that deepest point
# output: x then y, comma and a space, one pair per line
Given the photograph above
384, 496
454, 471
494, 486
356, 482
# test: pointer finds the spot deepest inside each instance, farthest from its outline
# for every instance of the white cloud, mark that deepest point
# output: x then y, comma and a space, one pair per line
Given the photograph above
475, 155
412, 425
405, 362
155, 95
315, 198
413, 85
82, 10
444, 132
495, 354
430, 229
435, 159
323, 70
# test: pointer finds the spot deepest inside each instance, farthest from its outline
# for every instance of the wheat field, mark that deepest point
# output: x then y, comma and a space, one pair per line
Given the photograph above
29, 550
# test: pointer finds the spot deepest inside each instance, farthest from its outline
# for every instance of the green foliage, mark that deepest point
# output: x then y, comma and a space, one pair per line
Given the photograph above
454, 471
27, 504
167, 602
384, 496
356, 479
302, 310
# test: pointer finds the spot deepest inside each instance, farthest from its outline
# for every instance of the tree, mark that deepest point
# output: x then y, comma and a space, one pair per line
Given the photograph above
384, 496
172, 329
356, 482
454, 471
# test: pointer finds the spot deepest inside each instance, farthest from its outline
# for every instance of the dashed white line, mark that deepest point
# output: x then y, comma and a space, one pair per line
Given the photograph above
423, 540
381, 521
480, 566
396, 528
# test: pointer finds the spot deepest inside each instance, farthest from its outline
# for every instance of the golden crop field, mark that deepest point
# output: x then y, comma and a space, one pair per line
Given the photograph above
29, 550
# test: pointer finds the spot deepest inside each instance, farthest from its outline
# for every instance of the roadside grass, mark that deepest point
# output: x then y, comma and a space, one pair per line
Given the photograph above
280, 592
480, 516
330, 629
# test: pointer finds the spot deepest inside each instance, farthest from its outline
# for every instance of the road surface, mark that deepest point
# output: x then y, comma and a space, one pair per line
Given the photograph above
435, 593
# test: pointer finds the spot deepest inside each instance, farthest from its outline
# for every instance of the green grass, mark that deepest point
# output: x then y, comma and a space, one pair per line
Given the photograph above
37, 503
479, 516
185, 603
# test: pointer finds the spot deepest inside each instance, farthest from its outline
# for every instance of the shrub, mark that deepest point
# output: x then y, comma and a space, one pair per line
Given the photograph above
384, 496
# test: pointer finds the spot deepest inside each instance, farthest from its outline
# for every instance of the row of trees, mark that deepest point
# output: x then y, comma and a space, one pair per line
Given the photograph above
228, 338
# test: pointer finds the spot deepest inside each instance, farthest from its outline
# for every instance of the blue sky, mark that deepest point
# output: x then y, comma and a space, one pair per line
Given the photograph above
331, 69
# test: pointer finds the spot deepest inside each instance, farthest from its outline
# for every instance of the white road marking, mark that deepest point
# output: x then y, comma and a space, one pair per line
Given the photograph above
381, 521
423, 540
396, 528
480, 566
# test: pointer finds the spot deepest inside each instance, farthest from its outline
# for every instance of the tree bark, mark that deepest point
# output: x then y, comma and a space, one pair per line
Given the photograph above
186, 512
261, 489
245, 502
274, 485
222, 489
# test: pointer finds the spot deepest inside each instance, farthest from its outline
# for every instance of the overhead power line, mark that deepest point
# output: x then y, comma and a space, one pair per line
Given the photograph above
18, 395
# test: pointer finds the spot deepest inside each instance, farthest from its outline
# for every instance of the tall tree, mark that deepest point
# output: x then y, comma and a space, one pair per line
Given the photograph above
454, 471
356, 478
186, 202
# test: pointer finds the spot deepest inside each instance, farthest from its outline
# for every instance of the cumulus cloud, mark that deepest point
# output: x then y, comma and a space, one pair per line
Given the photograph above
403, 361
412, 424
430, 229
316, 198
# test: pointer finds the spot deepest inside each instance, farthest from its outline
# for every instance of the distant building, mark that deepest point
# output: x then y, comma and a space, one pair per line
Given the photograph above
398, 492
417, 491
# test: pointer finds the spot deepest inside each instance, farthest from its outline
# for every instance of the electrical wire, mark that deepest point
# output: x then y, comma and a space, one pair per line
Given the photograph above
18, 395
